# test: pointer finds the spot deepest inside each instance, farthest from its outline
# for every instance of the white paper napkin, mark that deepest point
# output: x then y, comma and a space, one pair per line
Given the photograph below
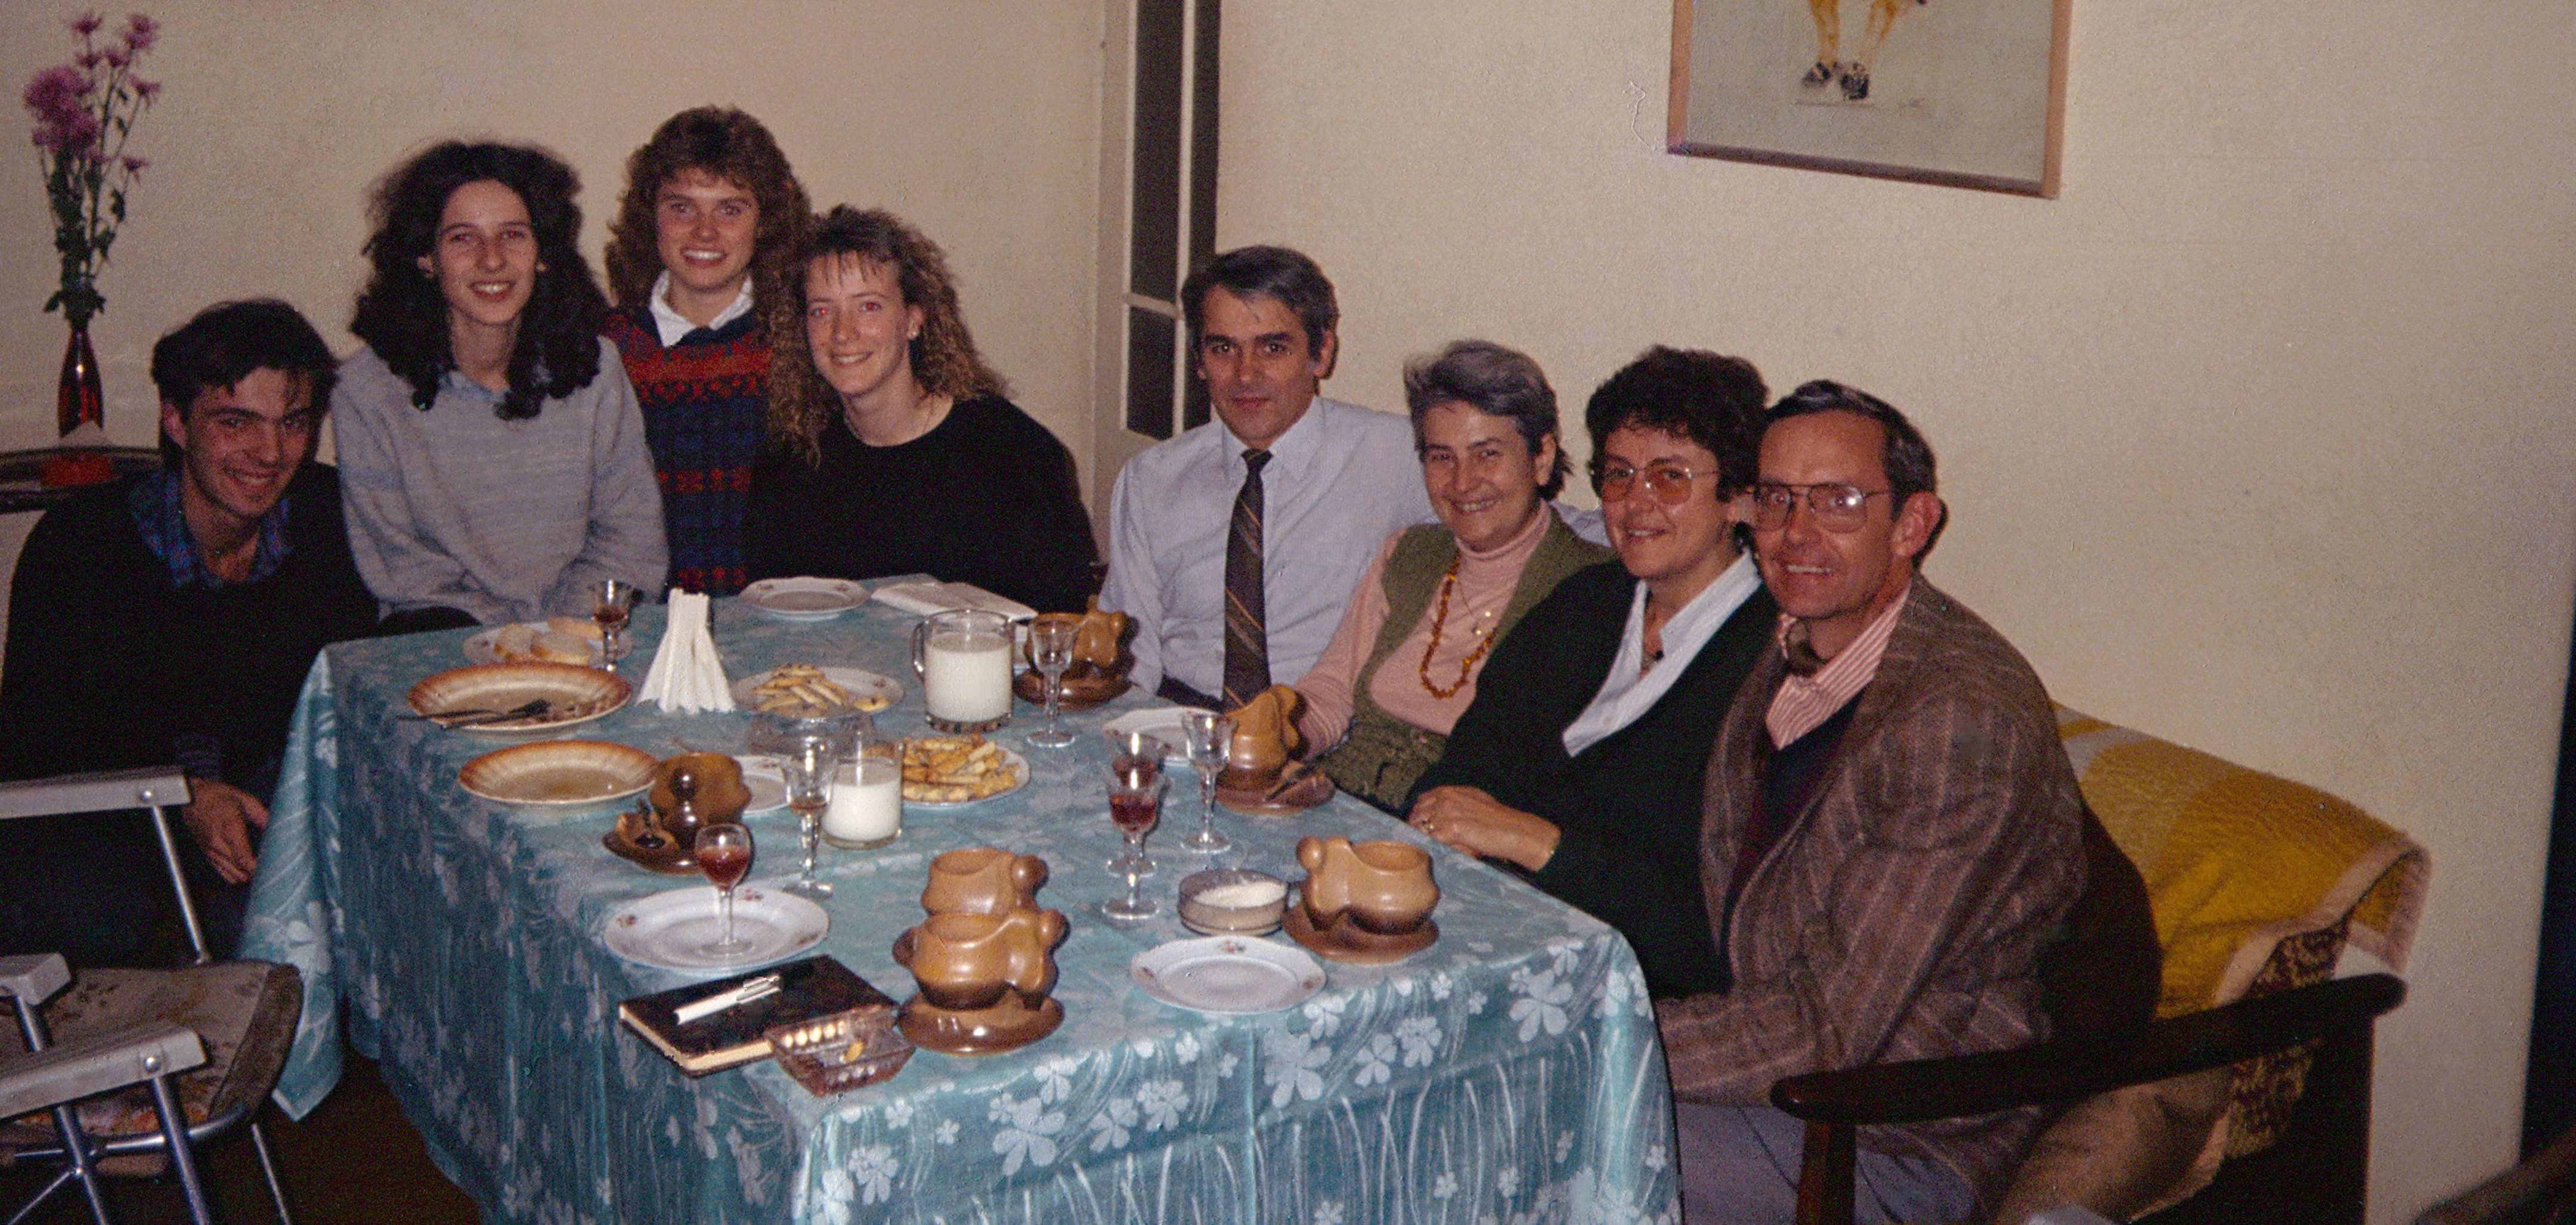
686, 675
923, 599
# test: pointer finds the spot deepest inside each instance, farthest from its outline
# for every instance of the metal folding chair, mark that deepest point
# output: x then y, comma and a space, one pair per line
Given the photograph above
244, 1012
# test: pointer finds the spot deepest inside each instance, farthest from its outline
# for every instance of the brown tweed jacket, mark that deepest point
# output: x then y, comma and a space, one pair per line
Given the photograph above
1900, 916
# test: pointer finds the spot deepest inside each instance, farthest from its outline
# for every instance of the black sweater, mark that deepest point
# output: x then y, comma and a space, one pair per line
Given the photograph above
1627, 809
986, 497
108, 666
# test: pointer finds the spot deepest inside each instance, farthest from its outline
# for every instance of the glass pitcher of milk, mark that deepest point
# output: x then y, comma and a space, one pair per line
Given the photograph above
963, 657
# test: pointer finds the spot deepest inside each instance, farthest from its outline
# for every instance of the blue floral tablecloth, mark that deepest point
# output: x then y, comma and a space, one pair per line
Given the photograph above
1509, 1073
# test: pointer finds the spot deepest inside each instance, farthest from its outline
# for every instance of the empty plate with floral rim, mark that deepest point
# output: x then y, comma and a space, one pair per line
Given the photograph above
670, 929
1227, 975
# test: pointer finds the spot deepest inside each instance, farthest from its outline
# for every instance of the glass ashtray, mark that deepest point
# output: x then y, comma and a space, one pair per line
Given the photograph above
841, 1051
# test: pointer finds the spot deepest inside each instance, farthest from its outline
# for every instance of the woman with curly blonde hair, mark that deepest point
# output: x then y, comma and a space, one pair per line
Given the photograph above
702, 261
892, 449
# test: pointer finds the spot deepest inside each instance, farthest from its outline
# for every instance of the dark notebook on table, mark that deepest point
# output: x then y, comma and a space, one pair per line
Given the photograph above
814, 987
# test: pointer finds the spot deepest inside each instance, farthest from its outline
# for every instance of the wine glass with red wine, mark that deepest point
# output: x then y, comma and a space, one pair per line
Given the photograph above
1136, 785
611, 601
723, 852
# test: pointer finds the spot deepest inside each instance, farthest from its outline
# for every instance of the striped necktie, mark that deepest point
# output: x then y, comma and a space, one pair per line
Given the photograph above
1247, 641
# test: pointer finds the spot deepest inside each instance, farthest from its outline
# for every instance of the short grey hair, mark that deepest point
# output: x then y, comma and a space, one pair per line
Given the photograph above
1491, 379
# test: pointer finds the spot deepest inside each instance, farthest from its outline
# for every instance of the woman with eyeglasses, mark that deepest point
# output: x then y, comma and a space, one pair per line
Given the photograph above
1579, 764
1404, 662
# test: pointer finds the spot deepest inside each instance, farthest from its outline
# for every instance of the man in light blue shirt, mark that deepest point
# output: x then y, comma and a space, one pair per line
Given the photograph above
1335, 481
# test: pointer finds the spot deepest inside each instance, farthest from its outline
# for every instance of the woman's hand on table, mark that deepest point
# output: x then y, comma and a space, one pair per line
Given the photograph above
1470, 820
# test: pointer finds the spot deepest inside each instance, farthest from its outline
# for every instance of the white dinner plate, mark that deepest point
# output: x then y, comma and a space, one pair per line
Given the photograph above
869, 691
667, 929
804, 599
577, 694
1227, 974
1162, 723
512, 644
558, 773
1016, 764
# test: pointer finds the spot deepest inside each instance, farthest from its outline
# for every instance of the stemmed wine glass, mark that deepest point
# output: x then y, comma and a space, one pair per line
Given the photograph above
1051, 650
1207, 736
1136, 785
808, 760
723, 852
610, 601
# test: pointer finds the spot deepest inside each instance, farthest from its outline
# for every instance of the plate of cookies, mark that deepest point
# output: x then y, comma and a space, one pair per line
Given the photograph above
810, 691
952, 771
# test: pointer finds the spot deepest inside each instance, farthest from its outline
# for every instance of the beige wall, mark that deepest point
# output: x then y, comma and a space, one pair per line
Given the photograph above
2258, 437
979, 122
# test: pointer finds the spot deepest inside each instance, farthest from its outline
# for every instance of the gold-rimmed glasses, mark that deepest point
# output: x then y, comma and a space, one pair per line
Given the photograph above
1837, 508
1669, 482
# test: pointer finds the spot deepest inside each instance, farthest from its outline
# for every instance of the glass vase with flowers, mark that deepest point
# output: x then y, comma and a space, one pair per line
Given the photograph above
85, 110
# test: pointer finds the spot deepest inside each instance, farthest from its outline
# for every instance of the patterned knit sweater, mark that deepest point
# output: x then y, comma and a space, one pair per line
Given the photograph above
704, 401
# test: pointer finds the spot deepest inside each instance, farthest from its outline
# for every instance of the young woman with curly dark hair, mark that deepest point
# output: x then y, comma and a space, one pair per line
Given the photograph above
491, 459
893, 449
701, 260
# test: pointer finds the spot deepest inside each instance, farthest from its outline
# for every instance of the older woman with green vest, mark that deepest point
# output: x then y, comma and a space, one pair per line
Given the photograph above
1403, 665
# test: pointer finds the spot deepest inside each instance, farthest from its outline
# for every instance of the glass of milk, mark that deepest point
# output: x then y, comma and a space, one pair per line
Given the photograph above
963, 657
867, 803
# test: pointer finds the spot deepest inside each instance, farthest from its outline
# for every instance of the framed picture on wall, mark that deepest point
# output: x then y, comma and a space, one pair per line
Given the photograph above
1965, 93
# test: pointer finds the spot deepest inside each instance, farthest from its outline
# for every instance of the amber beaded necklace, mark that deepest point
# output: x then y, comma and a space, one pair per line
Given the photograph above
1439, 621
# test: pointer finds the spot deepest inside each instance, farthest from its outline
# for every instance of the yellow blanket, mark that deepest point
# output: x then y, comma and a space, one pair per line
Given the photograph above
2236, 860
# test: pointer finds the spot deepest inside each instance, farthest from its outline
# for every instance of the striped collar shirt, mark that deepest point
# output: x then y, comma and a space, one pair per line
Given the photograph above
1802, 703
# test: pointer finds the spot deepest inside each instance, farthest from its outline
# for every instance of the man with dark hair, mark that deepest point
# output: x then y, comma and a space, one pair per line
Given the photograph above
701, 261
1236, 545
172, 617
1890, 831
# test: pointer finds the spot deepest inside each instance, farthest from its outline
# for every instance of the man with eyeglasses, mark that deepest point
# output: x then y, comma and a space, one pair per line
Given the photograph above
1890, 828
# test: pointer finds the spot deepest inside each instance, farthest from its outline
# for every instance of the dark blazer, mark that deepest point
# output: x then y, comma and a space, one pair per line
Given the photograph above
1901, 913
1626, 808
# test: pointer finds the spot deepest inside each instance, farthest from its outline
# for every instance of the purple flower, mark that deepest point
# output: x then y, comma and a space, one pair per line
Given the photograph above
133, 164
87, 24
146, 90
89, 59
56, 90
116, 56
140, 31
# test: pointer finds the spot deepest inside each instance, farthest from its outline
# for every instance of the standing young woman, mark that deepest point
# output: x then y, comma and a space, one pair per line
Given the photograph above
492, 461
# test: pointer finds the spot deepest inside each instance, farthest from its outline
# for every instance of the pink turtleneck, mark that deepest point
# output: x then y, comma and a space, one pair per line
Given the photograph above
1485, 583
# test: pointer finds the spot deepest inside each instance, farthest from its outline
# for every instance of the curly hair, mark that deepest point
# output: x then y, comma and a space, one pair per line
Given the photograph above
1713, 400
402, 315
729, 145
942, 357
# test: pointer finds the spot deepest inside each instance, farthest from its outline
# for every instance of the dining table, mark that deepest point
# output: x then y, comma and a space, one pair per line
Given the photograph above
1508, 1072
